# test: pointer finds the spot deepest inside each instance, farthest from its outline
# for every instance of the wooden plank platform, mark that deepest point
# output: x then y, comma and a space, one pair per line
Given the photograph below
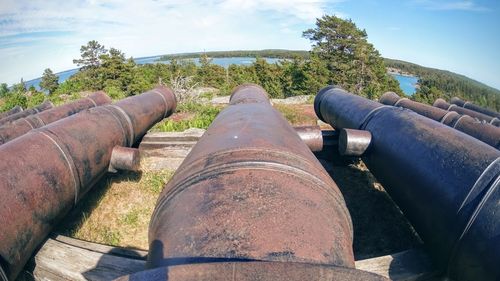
64, 258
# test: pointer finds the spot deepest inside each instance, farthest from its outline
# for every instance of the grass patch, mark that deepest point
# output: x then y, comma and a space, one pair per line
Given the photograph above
154, 181
296, 114
207, 95
201, 116
117, 210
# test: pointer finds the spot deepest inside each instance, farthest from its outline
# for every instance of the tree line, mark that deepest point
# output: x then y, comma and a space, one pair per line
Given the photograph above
435, 83
268, 53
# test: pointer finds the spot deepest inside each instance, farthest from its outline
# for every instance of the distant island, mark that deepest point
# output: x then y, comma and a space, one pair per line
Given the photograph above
266, 53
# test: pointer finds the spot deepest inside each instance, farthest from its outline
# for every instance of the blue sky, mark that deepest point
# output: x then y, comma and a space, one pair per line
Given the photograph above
462, 36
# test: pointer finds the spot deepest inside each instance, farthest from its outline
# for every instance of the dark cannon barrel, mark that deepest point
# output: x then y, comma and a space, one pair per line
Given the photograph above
21, 126
444, 181
251, 199
441, 103
14, 110
46, 171
37, 109
471, 106
482, 131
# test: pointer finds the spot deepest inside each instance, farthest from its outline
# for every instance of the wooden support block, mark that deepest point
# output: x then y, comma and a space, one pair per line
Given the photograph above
59, 261
64, 258
413, 264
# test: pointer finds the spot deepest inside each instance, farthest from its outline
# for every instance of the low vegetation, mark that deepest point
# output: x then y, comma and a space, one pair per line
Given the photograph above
117, 210
189, 115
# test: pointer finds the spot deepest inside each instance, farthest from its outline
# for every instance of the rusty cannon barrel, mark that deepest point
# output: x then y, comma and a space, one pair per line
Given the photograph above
21, 126
441, 103
482, 131
312, 136
444, 181
14, 110
37, 109
250, 200
46, 171
477, 108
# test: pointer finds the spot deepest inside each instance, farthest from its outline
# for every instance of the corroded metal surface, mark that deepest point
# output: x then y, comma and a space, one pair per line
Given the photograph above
46, 171
471, 106
480, 130
250, 190
124, 159
311, 136
37, 109
21, 126
444, 181
252, 271
354, 142
441, 103
14, 110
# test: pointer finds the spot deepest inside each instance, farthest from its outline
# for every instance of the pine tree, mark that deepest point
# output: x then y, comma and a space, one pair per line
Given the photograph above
354, 64
90, 55
50, 81
4, 89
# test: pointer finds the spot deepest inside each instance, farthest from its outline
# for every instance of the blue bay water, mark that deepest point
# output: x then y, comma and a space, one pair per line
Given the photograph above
407, 83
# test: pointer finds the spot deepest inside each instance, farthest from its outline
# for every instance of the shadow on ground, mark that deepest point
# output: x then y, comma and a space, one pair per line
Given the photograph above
91, 200
380, 228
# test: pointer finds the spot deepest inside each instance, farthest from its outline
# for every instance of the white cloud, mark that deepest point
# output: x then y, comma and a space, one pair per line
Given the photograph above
464, 5
142, 28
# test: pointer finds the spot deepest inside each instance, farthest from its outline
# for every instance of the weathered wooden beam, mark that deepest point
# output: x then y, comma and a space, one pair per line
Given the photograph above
60, 261
100, 248
413, 264
64, 258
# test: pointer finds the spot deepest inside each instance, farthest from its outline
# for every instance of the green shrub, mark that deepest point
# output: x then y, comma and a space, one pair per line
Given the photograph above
202, 117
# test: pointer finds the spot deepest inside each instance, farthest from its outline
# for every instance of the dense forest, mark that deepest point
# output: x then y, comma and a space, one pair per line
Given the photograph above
340, 55
435, 83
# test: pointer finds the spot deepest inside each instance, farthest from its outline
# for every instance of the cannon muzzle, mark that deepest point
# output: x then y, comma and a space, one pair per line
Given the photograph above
21, 126
480, 130
477, 108
14, 110
441, 103
37, 109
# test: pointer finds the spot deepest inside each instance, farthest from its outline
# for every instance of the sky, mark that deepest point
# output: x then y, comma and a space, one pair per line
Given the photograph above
462, 36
